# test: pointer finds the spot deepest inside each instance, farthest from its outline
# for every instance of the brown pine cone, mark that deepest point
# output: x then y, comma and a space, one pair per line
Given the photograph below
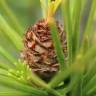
39, 51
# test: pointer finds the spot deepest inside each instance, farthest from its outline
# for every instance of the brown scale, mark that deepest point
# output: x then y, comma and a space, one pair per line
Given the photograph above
39, 51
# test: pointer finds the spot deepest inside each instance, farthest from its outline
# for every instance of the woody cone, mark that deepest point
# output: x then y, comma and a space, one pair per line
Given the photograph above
39, 52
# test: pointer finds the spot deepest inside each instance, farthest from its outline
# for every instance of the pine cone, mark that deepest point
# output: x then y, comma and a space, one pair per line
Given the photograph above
39, 51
